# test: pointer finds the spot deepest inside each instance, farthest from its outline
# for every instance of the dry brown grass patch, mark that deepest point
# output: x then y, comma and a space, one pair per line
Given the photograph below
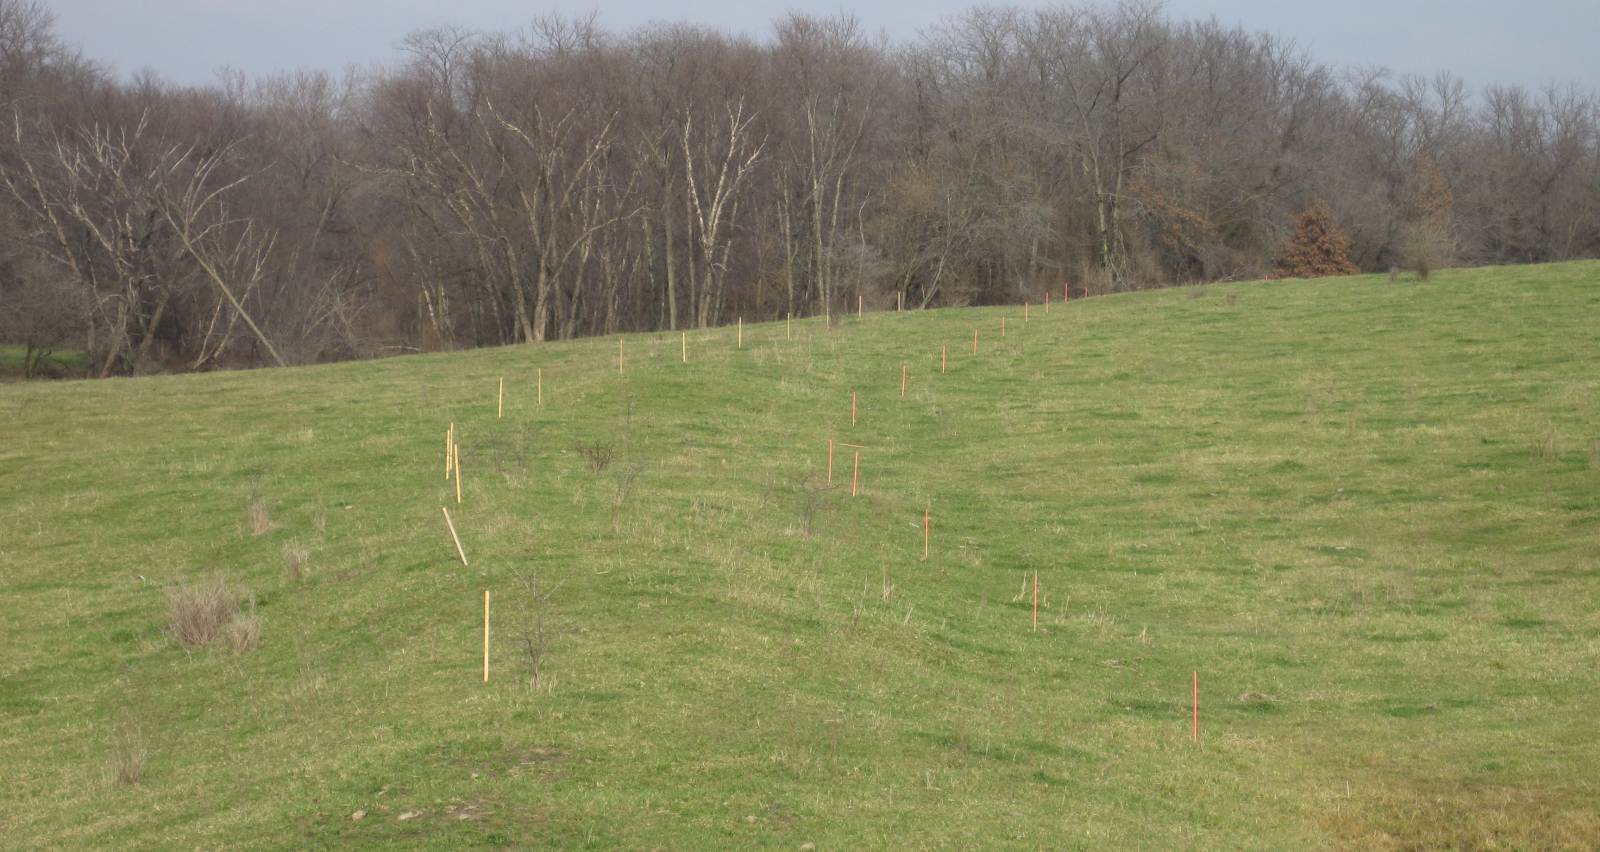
1468, 816
212, 612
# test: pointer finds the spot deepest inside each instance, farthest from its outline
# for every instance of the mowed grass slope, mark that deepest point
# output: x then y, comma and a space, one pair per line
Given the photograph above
1367, 513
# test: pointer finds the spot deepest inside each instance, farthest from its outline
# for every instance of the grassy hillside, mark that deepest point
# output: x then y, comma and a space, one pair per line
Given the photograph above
1367, 513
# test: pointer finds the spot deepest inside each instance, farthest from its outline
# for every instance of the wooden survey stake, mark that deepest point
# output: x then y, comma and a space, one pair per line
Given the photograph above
500, 402
1036, 601
855, 476
830, 461
485, 635
539, 386
852, 408
1195, 719
453, 537
925, 521
902, 380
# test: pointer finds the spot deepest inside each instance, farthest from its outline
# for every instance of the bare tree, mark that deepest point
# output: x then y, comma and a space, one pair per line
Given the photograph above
561, 180
714, 200
229, 251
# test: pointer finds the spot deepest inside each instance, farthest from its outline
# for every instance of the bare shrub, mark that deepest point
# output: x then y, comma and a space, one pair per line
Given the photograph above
625, 481
815, 502
597, 456
257, 518
1422, 264
1425, 247
1092, 279
127, 754
626, 477
295, 557
535, 630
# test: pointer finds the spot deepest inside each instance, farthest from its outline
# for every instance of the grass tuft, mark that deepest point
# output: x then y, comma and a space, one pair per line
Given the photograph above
212, 613
197, 615
295, 557
127, 754
596, 456
243, 632
1545, 447
257, 518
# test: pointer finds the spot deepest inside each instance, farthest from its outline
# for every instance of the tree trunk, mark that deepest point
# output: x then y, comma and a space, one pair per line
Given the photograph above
672, 271
785, 221
149, 335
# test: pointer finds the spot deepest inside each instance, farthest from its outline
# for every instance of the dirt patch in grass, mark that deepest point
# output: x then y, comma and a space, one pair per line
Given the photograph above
467, 811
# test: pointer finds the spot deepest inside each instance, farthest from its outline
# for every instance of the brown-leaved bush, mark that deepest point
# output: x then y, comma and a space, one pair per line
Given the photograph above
1319, 247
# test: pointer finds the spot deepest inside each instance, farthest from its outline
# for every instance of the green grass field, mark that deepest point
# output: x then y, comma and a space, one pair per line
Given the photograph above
54, 364
1367, 513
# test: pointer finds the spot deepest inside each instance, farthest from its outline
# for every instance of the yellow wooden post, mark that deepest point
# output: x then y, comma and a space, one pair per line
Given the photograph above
453, 537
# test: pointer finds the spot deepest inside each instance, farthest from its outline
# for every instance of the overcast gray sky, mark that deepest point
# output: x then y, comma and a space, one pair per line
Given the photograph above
1515, 41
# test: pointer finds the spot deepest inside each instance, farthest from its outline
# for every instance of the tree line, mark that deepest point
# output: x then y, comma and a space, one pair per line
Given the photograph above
560, 179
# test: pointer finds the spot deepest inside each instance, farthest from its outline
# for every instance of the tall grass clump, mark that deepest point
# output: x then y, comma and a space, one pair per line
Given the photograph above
257, 518
209, 613
295, 557
127, 755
